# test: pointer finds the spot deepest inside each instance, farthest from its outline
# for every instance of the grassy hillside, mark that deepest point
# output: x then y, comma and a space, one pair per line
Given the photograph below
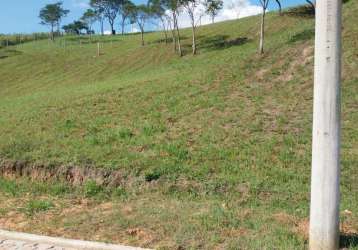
215, 149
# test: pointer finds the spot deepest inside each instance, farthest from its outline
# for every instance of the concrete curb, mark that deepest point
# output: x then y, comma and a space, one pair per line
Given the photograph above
61, 242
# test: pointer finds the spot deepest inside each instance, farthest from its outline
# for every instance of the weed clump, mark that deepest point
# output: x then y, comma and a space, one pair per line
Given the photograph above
36, 206
91, 188
152, 176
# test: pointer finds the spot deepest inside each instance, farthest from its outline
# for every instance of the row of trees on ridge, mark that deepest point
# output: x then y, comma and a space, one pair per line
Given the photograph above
163, 12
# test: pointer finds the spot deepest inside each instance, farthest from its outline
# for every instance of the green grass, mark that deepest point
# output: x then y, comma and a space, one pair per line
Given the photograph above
215, 149
36, 206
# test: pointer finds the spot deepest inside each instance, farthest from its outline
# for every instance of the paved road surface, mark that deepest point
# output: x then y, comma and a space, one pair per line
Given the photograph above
6, 244
23, 241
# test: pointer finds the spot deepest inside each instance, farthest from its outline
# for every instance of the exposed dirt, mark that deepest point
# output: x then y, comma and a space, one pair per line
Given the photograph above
71, 174
302, 59
301, 226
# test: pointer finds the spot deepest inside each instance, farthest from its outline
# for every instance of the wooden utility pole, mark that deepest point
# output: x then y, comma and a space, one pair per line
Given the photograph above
324, 214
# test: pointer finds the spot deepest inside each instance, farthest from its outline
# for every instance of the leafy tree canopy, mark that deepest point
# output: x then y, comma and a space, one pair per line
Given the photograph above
52, 14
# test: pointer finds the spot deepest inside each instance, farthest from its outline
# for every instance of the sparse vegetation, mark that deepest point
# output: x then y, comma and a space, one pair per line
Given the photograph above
36, 206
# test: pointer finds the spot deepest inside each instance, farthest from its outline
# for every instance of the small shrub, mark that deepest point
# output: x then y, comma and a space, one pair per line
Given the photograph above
93, 140
36, 206
9, 187
59, 189
152, 176
178, 151
120, 192
124, 133
69, 124
91, 188
150, 129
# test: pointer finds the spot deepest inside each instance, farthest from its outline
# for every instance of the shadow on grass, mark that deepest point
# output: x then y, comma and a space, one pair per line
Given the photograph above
348, 240
78, 38
303, 36
162, 40
5, 53
93, 40
301, 11
169, 40
221, 42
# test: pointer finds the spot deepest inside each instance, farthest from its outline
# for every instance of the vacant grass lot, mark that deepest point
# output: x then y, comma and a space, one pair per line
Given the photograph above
215, 148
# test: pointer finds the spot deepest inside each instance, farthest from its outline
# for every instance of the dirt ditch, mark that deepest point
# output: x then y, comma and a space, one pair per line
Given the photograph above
71, 174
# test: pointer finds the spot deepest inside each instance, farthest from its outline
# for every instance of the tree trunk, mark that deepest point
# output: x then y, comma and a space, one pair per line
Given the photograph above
142, 36
112, 28
194, 40
279, 7
58, 28
166, 36
173, 34
174, 40
90, 32
122, 25
178, 34
52, 33
165, 31
262, 33
102, 27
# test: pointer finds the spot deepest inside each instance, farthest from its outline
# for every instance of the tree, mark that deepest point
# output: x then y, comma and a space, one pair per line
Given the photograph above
191, 7
51, 15
98, 6
213, 7
141, 15
89, 18
237, 6
308, 1
69, 28
157, 9
312, 5
108, 9
279, 7
76, 27
264, 4
170, 25
111, 10
127, 9
173, 6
